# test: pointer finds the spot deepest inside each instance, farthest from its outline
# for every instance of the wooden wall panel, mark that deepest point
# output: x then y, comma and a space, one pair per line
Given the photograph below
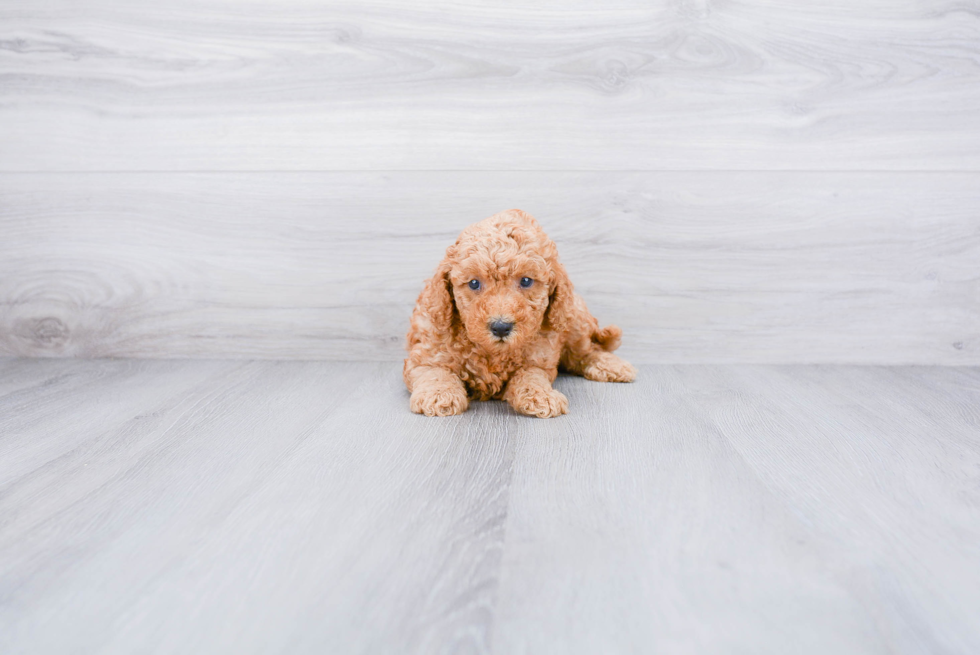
730, 181
472, 85
696, 267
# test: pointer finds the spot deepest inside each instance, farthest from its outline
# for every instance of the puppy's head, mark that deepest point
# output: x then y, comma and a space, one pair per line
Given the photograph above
503, 281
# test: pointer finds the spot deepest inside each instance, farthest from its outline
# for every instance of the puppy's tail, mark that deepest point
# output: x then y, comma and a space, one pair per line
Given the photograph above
608, 338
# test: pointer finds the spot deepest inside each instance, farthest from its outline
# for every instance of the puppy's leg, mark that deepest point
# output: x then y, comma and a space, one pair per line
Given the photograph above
602, 366
599, 365
529, 392
437, 392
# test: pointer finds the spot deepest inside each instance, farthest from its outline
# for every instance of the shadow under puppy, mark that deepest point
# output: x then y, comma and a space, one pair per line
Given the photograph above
497, 320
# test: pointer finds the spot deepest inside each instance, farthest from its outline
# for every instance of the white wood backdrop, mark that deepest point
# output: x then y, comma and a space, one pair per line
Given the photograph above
729, 181
499, 85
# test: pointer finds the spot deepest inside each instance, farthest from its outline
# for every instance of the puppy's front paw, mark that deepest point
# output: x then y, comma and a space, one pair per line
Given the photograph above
543, 403
610, 368
439, 402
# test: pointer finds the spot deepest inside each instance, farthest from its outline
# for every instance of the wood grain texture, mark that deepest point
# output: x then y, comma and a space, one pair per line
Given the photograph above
247, 507
696, 267
633, 85
748, 509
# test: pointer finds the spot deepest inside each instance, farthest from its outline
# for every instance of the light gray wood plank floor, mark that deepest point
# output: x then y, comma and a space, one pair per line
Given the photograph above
264, 506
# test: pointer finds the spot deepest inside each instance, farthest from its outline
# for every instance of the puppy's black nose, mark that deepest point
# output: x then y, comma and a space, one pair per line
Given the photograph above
500, 329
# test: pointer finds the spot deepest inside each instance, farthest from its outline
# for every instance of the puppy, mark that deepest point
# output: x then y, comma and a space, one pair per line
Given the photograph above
497, 320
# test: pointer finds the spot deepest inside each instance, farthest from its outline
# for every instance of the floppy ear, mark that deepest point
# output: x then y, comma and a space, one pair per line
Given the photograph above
437, 301
559, 311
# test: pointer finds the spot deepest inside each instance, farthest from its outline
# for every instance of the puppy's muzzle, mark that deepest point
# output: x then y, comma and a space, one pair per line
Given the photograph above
500, 328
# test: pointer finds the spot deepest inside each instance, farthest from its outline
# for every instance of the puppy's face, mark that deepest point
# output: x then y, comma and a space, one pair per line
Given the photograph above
501, 292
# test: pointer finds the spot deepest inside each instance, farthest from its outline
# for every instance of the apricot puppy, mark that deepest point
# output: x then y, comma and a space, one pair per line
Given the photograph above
497, 320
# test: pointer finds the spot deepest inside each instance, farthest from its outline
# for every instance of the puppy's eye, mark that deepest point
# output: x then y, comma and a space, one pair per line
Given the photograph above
526, 282
475, 285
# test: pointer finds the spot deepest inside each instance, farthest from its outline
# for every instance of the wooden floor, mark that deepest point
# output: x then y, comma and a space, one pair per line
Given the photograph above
298, 507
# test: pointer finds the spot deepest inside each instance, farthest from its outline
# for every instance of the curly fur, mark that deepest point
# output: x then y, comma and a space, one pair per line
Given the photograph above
453, 356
